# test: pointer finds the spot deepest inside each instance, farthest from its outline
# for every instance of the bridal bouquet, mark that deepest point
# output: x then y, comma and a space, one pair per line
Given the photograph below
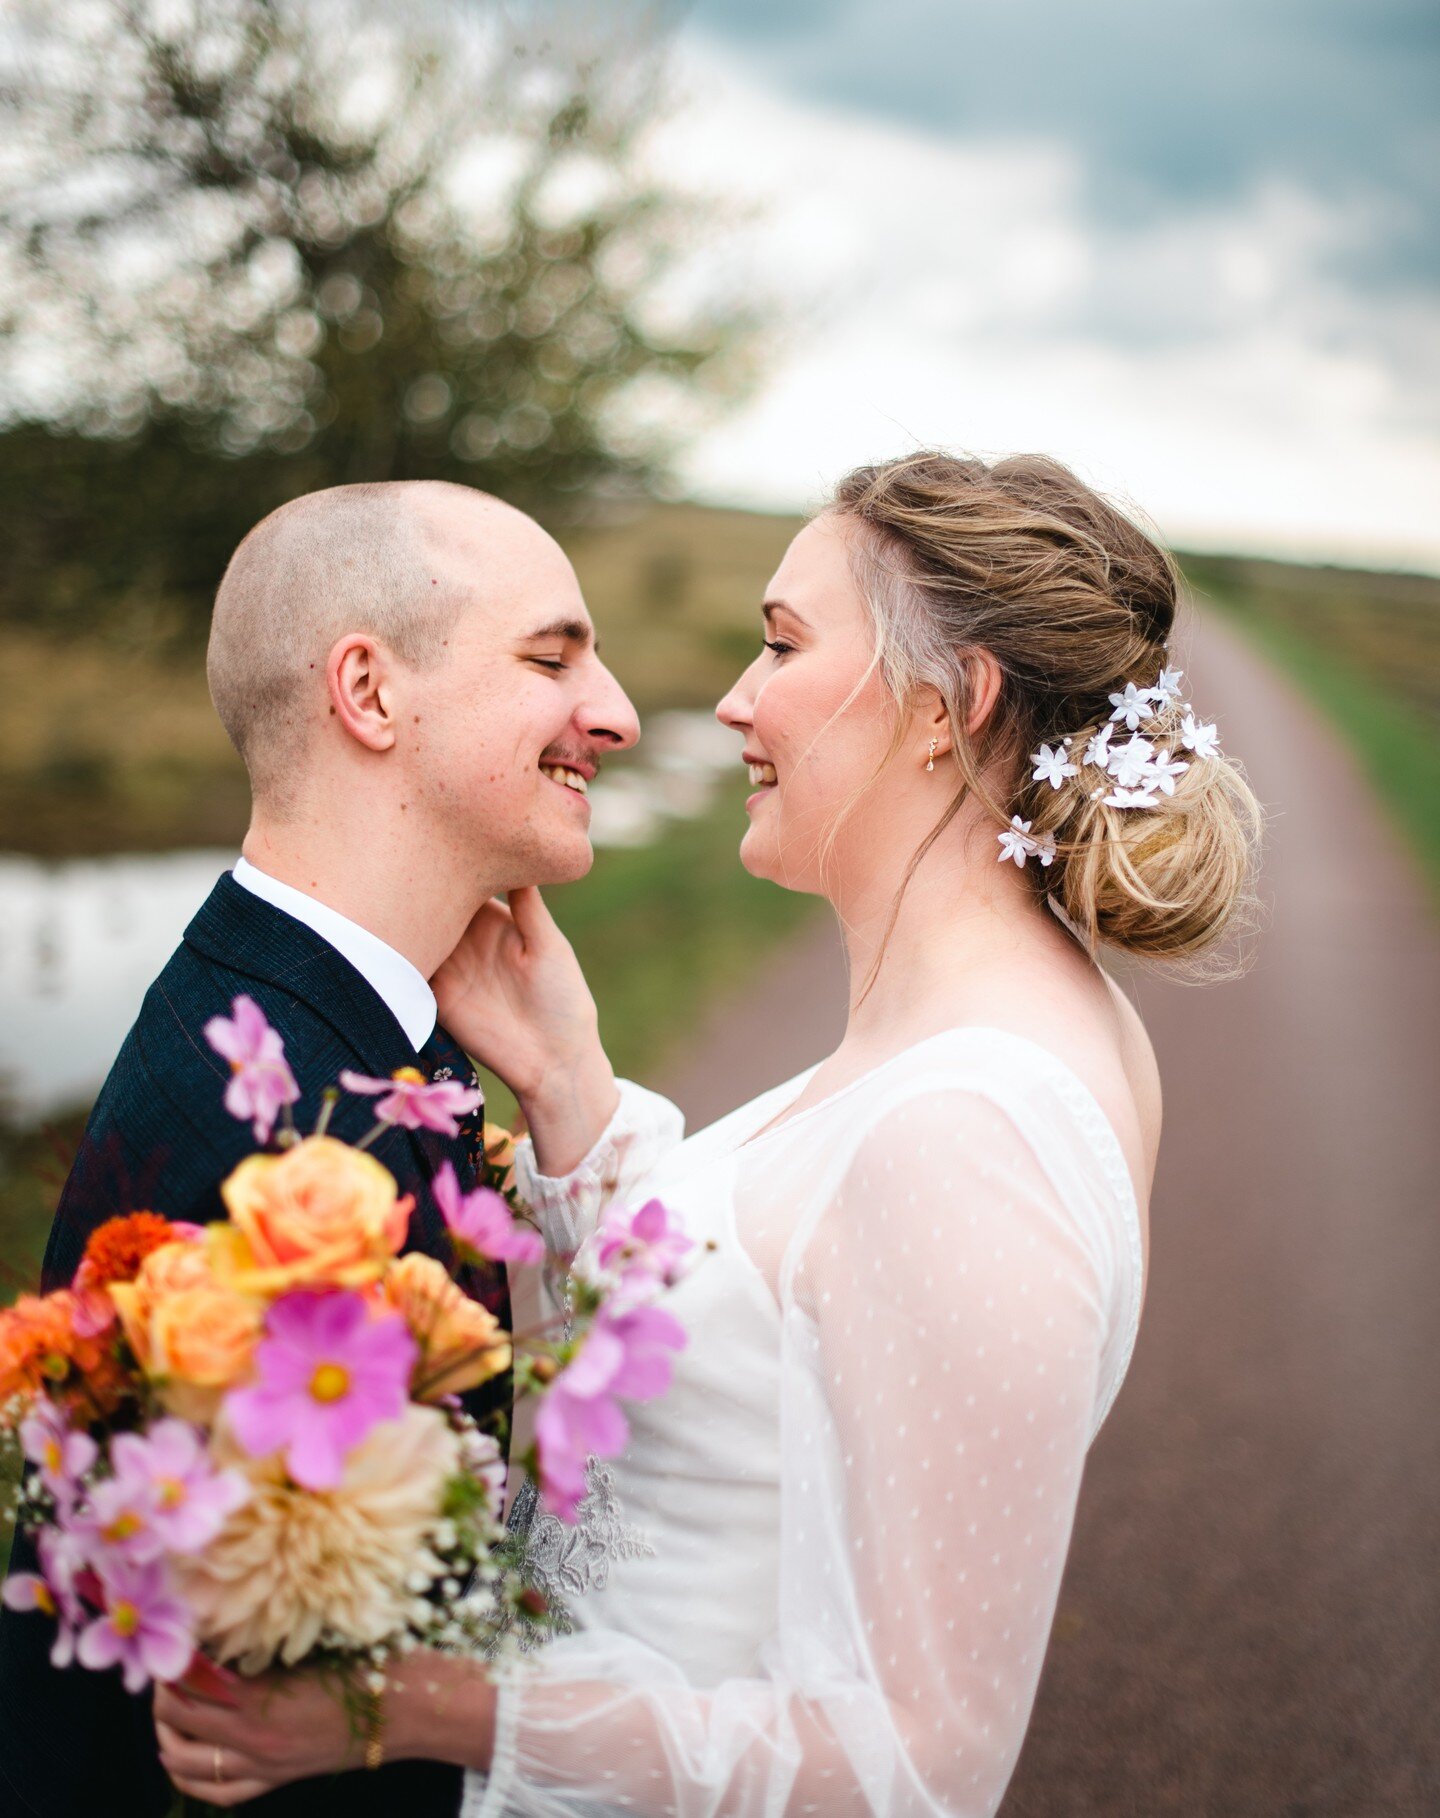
247, 1442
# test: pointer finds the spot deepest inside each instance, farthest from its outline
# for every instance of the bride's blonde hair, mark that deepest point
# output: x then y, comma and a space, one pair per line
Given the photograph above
1019, 558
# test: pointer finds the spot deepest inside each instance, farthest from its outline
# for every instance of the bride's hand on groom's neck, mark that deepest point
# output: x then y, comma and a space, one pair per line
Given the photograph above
514, 997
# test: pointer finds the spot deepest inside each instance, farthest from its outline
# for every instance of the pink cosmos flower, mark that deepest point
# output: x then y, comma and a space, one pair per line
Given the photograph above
623, 1354
63, 1455
52, 1590
29, 1591
414, 1102
261, 1082
326, 1374
190, 1500
119, 1524
92, 1311
145, 1628
644, 1247
481, 1224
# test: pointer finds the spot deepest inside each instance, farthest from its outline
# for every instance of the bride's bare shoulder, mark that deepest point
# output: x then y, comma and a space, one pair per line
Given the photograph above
1136, 1054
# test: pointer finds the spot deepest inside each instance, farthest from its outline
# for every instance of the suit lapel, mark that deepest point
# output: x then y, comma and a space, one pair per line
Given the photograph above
243, 933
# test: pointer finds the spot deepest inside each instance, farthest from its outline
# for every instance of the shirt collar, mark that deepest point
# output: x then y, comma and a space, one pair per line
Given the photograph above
402, 986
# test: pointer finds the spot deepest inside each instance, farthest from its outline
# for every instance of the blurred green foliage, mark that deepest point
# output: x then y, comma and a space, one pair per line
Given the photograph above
265, 248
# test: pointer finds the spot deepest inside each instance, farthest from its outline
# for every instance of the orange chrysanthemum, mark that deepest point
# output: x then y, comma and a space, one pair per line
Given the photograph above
119, 1246
41, 1352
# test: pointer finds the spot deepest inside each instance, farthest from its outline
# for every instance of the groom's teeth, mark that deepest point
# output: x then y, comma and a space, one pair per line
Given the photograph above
571, 779
761, 774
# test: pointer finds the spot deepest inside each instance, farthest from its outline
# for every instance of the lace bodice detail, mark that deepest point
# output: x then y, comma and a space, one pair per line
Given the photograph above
852, 1511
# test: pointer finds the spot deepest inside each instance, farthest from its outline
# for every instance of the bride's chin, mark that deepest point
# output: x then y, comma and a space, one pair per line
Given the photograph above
754, 857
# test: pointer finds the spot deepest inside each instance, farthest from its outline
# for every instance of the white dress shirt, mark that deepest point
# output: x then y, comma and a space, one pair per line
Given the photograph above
403, 987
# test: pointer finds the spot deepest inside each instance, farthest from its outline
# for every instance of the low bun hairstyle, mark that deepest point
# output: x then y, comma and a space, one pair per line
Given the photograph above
1023, 560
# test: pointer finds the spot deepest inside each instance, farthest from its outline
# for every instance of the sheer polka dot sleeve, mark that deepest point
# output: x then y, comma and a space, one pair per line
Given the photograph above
643, 1130
950, 1293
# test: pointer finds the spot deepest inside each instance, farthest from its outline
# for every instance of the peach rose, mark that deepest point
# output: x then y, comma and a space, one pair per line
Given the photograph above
318, 1214
192, 1333
461, 1343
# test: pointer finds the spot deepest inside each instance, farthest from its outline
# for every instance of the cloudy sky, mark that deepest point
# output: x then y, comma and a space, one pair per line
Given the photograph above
1192, 248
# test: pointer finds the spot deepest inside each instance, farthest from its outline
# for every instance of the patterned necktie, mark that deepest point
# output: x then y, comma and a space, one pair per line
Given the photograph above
442, 1057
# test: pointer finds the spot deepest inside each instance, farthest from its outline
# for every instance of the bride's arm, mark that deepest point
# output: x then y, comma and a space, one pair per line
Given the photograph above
514, 997
940, 1383
642, 1130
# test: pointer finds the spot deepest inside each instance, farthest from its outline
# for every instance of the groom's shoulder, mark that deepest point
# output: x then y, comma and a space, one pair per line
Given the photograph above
158, 1135
167, 1065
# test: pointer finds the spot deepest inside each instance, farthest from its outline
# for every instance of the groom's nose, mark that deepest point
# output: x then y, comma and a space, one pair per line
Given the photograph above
606, 716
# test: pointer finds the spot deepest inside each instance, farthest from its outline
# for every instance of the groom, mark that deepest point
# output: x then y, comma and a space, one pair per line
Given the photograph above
406, 669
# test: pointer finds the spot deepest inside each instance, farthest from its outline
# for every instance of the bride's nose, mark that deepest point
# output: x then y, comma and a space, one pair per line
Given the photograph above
736, 709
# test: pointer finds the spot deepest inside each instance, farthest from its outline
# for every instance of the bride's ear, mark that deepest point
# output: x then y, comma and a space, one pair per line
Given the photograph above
982, 679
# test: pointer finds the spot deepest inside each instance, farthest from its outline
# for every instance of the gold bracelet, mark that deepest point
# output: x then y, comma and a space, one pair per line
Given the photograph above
375, 1727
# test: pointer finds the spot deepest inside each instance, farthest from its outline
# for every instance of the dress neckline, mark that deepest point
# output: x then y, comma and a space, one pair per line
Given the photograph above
1096, 1116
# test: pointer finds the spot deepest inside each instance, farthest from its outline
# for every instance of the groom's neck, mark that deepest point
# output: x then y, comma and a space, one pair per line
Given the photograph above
406, 892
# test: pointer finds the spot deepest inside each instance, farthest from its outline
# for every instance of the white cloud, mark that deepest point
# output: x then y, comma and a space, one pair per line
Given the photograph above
1210, 366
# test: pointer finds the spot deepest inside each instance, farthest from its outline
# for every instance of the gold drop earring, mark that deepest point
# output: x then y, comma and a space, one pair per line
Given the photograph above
933, 744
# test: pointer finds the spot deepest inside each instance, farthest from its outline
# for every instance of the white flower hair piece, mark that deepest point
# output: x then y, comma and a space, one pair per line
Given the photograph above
1136, 774
1053, 766
1018, 843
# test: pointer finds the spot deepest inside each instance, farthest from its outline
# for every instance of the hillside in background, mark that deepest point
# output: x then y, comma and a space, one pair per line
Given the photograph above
106, 748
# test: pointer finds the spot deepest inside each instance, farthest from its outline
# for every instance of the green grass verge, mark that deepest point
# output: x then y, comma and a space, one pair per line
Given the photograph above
1366, 650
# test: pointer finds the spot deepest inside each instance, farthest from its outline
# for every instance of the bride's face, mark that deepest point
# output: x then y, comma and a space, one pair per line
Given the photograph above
818, 723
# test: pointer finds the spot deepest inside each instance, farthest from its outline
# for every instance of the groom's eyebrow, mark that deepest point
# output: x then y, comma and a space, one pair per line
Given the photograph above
574, 631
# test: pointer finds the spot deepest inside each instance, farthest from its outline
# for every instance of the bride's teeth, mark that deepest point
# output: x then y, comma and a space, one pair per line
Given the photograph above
762, 773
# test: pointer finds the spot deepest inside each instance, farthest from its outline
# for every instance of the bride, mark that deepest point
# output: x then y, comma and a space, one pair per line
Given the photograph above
835, 1547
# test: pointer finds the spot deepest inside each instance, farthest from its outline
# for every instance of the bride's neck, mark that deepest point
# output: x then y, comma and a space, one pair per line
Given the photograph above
957, 921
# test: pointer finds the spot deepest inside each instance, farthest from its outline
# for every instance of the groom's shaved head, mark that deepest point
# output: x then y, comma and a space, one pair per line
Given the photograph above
365, 558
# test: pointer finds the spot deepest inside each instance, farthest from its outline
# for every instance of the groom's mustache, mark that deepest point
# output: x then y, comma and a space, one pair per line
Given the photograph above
574, 757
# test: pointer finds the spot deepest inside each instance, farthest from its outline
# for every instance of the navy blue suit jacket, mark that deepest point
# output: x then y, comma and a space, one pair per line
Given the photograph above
73, 1744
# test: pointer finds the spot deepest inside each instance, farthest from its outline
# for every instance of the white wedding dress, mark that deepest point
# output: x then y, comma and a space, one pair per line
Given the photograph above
822, 1576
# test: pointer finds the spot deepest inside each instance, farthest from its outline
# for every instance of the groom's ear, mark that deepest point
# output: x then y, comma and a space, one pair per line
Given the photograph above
359, 681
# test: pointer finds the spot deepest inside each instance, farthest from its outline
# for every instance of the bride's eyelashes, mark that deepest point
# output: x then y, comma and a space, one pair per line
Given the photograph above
778, 646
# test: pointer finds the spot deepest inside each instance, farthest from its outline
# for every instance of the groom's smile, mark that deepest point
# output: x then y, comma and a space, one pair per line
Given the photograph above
516, 721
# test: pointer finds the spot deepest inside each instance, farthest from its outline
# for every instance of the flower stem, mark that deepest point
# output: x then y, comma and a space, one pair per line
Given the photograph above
329, 1098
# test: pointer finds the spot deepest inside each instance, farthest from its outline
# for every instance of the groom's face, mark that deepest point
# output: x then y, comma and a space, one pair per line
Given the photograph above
508, 731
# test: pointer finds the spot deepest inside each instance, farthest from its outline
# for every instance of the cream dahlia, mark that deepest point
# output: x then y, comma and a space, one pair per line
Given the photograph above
293, 1565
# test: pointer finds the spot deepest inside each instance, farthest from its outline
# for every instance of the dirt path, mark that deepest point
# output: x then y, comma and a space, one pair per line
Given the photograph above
1250, 1621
